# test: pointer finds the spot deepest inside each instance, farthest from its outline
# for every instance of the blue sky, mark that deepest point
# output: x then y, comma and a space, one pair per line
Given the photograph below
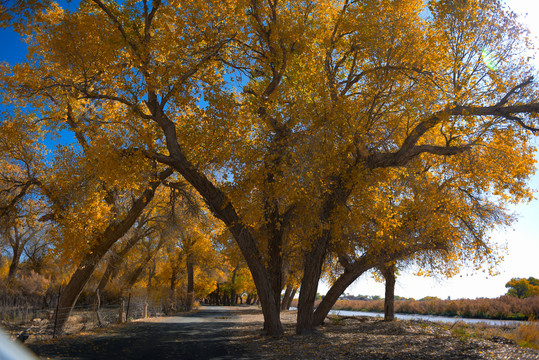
13, 48
522, 239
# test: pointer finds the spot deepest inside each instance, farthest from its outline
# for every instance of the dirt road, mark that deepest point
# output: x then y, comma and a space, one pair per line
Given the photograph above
206, 334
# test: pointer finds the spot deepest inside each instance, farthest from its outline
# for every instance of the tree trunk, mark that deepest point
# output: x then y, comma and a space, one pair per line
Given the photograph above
233, 288
352, 271
133, 277
74, 287
275, 244
337, 289
14, 265
112, 233
115, 262
190, 283
289, 304
97, 302
312, 270
223, 209
312, 267
389, 302
286, 297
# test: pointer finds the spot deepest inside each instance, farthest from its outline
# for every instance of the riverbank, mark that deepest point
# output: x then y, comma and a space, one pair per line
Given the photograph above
371, 338
502, 308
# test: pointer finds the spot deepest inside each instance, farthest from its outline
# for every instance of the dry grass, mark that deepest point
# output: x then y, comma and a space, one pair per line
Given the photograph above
528, 335
504, 307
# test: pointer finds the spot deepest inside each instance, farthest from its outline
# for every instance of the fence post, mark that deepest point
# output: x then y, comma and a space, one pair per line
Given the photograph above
57, 308
121, 315
145, 313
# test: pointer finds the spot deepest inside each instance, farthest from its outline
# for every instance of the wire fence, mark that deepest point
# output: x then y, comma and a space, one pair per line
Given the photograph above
25, 321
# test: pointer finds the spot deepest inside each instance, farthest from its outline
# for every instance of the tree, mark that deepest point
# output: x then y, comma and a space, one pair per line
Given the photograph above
283, 114
415, 217
522, 288
388, 271
20, 231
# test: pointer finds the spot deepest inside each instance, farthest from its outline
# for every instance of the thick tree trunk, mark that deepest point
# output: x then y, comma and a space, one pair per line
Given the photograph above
389, 302
76, 284
112, 233
312, 267
350, 274
275, 246
223, 209
309, 284
352, 271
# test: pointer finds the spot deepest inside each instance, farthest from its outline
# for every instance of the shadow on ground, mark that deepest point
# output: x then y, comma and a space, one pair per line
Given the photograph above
205, 334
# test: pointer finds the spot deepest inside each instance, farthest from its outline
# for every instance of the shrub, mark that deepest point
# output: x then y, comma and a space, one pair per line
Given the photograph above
528, 335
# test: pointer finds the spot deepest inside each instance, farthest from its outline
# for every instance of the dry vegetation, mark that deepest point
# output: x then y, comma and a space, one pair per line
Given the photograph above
370, 338
504, 307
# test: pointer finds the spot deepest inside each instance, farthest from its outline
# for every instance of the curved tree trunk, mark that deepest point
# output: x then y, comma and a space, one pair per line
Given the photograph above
312, 267
133, 277
352, 271
18, 243
112, 233
115, 262
309, 284
339, 286
286, 297
77, 282
291, 298
222, 208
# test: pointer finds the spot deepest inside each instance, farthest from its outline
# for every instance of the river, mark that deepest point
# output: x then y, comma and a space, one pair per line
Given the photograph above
434, 318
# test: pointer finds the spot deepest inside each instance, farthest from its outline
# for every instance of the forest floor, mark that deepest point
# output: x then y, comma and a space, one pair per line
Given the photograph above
235, 333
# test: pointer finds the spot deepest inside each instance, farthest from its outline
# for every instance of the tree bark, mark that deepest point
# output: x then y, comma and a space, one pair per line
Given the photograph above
289, 304
233, 288
14, 265
309, 284
286, 297
190, 283
353, 270
223, 210
388, 270
116, 260
133, 277
17, 245
103, 243
338, 287
338, 193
